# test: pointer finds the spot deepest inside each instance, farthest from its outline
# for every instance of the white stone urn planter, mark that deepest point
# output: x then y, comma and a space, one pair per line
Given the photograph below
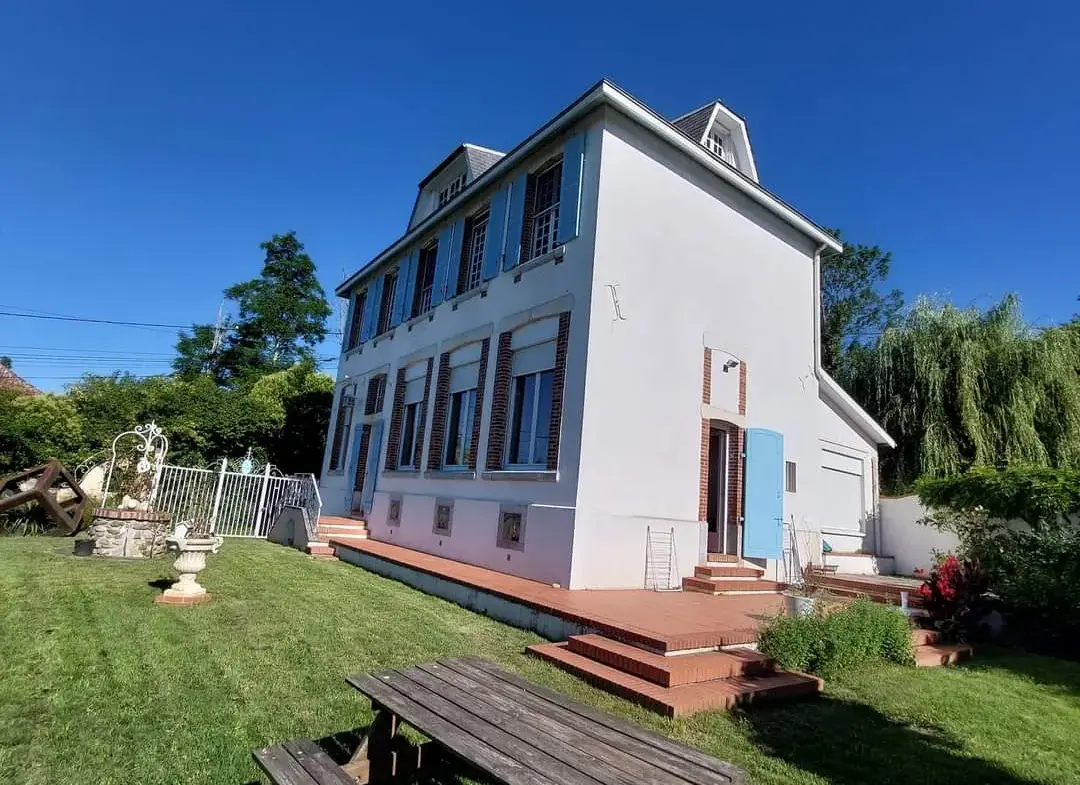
190, 560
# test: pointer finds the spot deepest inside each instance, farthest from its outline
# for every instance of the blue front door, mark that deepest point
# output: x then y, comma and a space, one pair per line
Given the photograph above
763, 529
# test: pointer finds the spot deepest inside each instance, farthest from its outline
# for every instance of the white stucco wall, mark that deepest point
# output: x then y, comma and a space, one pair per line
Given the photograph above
839, 436
545, 289
693, 264
908, 541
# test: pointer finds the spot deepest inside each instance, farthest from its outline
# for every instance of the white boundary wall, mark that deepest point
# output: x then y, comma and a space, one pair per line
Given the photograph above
911, 543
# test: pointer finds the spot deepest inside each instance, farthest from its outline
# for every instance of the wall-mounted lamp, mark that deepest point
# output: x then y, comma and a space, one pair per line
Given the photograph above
729, 365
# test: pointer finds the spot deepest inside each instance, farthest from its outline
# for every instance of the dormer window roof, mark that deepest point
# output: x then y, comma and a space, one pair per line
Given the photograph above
449, 178
723, 133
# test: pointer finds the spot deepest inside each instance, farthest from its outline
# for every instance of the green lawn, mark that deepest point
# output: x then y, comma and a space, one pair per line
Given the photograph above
98, 685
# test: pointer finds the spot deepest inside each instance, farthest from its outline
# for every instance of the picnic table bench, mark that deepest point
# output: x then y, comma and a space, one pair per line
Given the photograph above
514, 731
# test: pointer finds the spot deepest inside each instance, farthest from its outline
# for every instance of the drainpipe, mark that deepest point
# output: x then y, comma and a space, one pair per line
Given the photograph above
817, 309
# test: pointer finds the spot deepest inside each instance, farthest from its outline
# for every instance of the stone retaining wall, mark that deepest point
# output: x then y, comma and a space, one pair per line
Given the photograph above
134, 534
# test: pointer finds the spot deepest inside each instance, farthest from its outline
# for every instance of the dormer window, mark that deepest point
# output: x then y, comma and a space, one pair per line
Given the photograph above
451, 190
719, 144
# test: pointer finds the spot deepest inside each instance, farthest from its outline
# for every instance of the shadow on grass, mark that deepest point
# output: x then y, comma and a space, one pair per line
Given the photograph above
852, 744
161, 583
1057, 674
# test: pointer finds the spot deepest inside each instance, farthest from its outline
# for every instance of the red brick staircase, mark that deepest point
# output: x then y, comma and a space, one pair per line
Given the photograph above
335, 526
930, 653
678, 683
726, 575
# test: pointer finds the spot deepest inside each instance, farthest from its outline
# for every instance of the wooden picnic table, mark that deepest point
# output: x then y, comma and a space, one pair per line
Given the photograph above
514, 731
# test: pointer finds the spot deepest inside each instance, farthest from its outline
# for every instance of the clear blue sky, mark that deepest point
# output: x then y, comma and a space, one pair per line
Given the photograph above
146, 148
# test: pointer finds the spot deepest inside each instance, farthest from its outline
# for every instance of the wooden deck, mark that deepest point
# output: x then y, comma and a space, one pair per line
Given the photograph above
659, 621
521, 733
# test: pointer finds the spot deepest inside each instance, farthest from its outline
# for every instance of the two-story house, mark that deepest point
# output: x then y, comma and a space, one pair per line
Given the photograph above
596, 351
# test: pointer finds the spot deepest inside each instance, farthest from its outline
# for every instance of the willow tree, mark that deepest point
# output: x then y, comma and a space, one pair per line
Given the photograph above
963, 387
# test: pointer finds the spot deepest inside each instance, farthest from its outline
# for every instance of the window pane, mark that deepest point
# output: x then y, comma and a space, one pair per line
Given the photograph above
453, 440
543, 418
521, 423
468, 407
409, 436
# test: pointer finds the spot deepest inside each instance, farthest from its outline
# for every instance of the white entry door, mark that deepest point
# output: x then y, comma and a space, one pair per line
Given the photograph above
842, 491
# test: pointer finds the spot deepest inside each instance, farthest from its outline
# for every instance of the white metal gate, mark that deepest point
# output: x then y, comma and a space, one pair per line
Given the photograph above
236, 503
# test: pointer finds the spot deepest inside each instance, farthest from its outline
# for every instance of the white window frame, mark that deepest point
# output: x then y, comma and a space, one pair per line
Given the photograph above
548, 217
532, 463
422, 298
477, 245
339, 458
389, 294
465, 426
718, 142
407, 459
450, 190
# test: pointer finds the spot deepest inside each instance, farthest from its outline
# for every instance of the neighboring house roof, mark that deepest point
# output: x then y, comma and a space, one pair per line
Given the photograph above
9, 380
604, 93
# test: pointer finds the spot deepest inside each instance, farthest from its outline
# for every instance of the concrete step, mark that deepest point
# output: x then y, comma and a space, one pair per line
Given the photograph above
934, 655
726, 571
327, 530
682, 700
672, 670
709, 586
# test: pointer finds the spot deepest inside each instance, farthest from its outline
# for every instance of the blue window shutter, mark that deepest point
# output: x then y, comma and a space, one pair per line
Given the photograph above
763, 529
442, 264
494, 241
406, 285
365, 318
367, 493
374, 297
345, 346
570, 189
514, 224
448, 287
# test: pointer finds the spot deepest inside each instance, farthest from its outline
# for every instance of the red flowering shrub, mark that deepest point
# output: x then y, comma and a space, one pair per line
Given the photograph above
954, 595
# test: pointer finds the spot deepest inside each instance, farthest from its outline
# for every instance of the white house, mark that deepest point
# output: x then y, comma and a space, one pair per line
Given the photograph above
597, 356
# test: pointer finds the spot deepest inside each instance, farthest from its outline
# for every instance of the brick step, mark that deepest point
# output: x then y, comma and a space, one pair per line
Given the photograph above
671, 671
921, 637
678, 701
708, 586
934, 655
726, 571
321, 550
340, 520
339, 530
725, 558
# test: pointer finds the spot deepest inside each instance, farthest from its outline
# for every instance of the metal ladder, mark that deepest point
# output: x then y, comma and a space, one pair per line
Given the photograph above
661, 573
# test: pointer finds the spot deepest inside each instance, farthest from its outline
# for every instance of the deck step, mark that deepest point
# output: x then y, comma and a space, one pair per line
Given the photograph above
885, 596
338, 530
321, 550
934, 655
682, 700
708, 586
725, 558
726, 571
671, 671
921, 637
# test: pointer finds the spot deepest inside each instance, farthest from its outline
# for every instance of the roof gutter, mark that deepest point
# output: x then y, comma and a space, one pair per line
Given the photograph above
607, 93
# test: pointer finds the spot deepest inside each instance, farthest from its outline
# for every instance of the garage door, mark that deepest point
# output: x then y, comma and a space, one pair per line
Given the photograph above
842, 490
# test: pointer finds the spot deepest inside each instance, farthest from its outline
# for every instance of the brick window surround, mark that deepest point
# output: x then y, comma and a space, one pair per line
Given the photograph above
441, 413
736, 443
500, 397
397, 416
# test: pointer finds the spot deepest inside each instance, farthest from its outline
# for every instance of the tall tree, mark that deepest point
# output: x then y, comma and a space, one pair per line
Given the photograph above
5, 361
281, 318
852, 308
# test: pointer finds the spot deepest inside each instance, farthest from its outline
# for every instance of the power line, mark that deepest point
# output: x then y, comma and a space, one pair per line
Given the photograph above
122, 323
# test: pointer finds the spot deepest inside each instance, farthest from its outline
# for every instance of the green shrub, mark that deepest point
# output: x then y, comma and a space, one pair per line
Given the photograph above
823, 643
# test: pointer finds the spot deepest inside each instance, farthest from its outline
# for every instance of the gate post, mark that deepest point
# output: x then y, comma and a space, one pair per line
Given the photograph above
217, 495
262, 501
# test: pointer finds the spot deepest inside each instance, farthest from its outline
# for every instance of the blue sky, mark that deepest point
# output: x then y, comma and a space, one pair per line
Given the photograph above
146, 148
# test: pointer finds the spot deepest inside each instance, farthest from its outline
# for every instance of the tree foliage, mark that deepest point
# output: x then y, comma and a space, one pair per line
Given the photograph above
282, 418
962, 387
281, 317
852, 308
